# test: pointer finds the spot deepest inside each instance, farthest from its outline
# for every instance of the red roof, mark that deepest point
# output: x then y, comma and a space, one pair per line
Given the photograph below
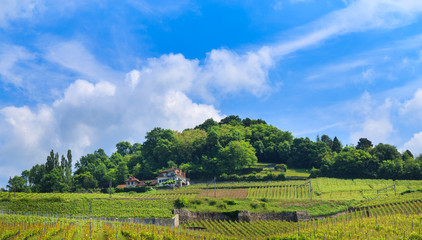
132, 179
121, 186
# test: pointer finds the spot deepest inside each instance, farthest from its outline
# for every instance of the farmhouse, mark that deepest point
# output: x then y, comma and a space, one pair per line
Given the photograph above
170, 177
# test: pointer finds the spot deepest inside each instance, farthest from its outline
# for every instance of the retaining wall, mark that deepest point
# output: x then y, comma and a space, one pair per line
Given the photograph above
242, 216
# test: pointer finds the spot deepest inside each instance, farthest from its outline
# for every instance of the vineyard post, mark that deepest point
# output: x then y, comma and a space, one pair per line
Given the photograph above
310, 189
395, 192
215, 191
297, 191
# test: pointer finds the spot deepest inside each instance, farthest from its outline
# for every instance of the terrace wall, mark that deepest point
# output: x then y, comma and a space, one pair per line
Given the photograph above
242, 216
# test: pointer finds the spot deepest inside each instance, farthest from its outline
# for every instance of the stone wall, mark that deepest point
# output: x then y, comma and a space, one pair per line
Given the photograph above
171, 222
242, 216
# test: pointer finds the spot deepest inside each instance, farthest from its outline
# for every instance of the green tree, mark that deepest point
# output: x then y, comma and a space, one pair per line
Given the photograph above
364, 144
124, 148
207, 125
337, 146
237, 155
327, 140
122, 173
16, 184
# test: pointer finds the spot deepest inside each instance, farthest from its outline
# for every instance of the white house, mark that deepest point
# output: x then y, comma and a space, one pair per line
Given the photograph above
173, 174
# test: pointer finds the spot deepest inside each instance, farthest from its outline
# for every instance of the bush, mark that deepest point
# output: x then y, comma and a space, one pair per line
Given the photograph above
224, 177
135, 189
222, 205
234, 177
230, 202
315, 173
254, 205
281, 177
181, 202
281, 167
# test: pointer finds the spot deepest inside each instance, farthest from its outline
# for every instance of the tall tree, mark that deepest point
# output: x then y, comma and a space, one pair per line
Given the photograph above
364, 144
337, 146
325, 138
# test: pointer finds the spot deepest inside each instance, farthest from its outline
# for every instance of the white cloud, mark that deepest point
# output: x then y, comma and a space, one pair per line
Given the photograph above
376, 124
10, 56
229, 72
73, 55
414, 144
165, 7
413, 107
357, 16
368, 74
17, 9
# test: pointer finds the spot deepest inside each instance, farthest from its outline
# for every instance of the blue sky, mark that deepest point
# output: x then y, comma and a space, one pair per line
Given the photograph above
87, 74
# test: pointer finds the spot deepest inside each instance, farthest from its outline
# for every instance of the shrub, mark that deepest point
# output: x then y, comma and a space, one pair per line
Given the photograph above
181, 202
230, 202
281, 167
234, 177
222, 205
254, 205
315, 173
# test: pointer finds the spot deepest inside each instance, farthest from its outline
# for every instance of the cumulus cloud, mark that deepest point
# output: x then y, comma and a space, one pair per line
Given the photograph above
91, 115
413, 107
414, 144
376, 124
229, 72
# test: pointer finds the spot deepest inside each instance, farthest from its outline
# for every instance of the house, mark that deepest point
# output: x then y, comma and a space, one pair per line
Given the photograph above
172, 177
132, 182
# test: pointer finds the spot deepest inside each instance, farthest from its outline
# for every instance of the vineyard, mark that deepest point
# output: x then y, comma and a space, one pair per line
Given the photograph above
391, 221
104, 208
33, 227
359, 209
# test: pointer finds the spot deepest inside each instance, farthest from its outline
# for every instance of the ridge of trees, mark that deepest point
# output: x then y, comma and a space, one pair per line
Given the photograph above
215, 149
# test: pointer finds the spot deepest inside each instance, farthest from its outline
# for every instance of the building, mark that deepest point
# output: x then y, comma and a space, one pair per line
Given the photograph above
132, 182
172, 177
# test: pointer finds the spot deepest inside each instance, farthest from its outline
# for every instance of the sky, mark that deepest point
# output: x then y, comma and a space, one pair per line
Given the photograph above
84, 75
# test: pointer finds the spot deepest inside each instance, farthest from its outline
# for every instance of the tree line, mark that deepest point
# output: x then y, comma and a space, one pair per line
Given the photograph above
214, 149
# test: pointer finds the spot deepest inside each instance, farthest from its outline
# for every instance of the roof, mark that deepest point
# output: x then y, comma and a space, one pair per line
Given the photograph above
168, 170
132, 179
121, 186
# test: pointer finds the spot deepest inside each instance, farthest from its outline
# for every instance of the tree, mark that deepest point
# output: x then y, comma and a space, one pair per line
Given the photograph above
327, 140
233, 120
364, 144
307, 154
237, 155
53, 181
207, 125
52, 161
385, 152
122, 173
337, 146
16, 184
407, 155
124, 148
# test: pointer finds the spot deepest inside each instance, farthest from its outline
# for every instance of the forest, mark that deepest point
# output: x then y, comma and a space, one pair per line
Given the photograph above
224, 150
